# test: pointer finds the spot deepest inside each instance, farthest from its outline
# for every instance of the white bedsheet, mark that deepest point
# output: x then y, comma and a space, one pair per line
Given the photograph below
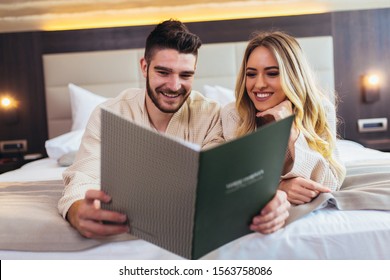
324, 234
45, 169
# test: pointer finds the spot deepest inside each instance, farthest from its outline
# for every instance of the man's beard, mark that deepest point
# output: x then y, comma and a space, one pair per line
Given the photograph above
153, 96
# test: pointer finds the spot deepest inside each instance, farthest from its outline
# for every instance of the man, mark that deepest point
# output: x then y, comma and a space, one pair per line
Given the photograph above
168, 105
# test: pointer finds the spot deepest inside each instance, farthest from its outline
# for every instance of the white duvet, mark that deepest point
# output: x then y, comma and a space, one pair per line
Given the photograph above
326, 233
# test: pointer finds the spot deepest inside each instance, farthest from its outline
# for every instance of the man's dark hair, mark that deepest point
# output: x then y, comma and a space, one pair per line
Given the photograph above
171, 34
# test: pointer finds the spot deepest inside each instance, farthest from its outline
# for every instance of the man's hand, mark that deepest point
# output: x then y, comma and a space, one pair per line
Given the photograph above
87, 217
300, 190
273, 216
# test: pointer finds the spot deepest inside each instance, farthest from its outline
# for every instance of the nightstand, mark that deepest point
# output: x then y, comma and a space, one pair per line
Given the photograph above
8, 164
377, 144
12, 163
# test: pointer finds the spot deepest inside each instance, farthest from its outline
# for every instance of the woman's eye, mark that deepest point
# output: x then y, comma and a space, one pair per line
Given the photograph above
273, 74
250, 74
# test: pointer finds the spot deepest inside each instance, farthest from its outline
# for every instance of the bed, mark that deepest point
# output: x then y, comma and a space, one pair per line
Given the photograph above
351, 224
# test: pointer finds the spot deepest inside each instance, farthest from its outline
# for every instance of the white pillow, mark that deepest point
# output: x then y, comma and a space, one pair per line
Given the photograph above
220, 94
82, 102
64, 144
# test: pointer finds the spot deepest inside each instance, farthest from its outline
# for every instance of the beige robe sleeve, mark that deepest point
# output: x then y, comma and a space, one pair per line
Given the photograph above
84, 174
230, 121
312, 165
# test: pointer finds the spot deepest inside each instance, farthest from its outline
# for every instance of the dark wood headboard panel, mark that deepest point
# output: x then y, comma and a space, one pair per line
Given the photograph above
209, 32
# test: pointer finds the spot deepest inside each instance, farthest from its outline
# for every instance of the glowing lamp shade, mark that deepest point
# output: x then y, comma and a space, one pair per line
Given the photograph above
370, 88
5, 102
9, 110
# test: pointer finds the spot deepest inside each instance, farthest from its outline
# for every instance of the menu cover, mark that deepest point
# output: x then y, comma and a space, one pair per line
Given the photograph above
184, 199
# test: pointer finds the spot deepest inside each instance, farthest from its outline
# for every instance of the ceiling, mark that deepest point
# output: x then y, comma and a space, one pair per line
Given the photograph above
29, 15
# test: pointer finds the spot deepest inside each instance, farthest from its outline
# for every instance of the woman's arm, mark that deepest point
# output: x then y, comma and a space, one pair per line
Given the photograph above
302, 161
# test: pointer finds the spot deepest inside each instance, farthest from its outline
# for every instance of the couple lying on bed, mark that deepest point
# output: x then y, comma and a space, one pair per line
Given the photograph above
274, 82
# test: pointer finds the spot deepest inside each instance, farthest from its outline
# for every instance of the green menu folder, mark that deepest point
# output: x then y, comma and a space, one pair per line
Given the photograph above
183, 199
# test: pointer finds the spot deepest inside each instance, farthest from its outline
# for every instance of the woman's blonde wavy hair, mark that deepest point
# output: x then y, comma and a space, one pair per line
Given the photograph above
298, 84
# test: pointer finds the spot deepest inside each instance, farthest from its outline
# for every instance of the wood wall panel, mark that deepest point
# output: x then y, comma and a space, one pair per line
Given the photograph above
209, 32
94, 39
240, 30
362, 44
21, 76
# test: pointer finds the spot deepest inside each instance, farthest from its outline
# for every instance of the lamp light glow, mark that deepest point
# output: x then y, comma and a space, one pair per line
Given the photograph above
370, 87
8, 102
5, 102
373, 80
9, 110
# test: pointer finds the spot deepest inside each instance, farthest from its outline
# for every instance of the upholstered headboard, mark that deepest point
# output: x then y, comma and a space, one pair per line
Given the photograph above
107, 73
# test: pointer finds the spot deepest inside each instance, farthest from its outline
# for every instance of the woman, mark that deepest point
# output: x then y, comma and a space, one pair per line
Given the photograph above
274, 82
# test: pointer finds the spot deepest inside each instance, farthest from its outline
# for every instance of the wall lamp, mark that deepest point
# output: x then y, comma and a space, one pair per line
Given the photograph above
9, 110
370, 86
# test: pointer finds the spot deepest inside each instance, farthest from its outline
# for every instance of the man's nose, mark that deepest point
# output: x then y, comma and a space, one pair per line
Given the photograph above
174, 83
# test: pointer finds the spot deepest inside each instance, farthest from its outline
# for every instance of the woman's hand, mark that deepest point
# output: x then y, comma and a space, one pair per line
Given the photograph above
273, 216
280, 111
300, 190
